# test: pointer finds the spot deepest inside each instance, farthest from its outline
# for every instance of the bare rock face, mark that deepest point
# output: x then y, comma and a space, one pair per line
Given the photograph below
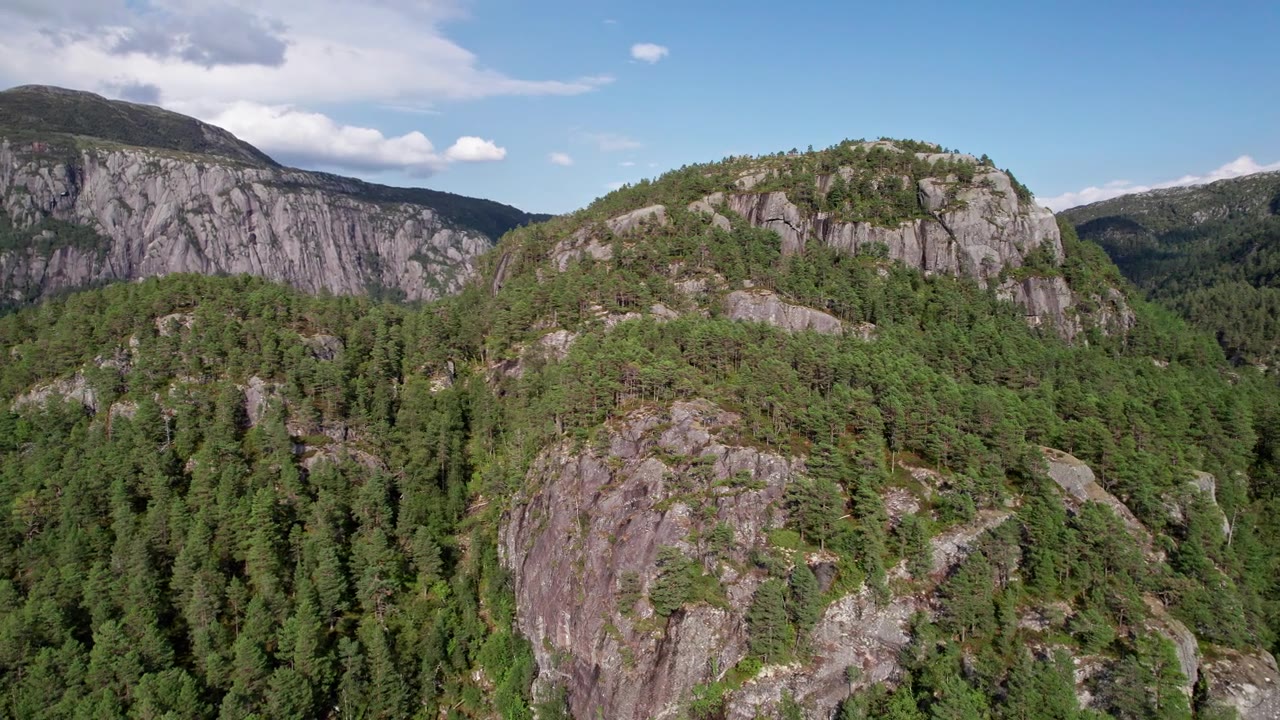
591, 525
595, 517
159, 213
629, 222
594, 241
72, 389
766, 307
705, 207
1047, 301
977, 228
1249, 683
1078, 481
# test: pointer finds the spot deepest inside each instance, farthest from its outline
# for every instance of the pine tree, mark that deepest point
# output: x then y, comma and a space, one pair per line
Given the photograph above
913, 540
805, 602
767, 623
671, 588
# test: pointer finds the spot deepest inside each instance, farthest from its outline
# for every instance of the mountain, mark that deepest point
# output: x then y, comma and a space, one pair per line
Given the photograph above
855, 433
95, 190
1212, 252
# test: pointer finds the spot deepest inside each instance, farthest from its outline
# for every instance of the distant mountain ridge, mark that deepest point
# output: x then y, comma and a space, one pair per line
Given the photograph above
1212, 252
95, 190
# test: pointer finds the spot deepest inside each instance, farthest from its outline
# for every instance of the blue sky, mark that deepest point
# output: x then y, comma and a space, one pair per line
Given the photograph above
1080, 100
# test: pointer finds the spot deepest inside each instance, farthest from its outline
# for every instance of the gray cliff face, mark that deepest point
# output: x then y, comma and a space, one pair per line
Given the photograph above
595, 517
158, 213
975, 229
764, 306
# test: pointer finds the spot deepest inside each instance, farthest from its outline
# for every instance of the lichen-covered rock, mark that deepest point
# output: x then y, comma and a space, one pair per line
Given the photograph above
766, 307
323, 347
161, 213
1249, 683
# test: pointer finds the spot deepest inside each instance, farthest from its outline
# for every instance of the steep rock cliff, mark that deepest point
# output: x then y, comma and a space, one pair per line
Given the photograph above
592, 520
77, 210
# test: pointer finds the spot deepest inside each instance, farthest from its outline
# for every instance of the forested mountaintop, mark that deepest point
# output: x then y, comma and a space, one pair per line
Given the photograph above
95, 190
717, 446
1212, 252
42, 110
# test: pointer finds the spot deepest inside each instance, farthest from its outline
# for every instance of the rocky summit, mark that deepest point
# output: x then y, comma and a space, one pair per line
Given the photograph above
93, 190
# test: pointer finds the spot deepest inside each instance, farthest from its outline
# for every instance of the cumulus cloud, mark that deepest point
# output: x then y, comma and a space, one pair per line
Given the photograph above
311, 139
1241, 166
474, 149
649, 52
280, 51
626, 163
561, 159
255, 67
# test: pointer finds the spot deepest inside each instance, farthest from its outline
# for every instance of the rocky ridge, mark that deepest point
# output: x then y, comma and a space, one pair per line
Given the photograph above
583, 544
977, 227
77, 211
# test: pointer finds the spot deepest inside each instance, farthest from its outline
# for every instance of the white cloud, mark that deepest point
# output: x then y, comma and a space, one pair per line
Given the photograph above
649, 52
1243, 165
255, 68
612, 142
285, 51
626, 163
561, 159
474, 149
311, 139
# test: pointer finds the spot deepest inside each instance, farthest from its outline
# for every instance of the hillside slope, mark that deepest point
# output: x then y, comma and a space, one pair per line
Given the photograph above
1211, 252
662, 458
93, 190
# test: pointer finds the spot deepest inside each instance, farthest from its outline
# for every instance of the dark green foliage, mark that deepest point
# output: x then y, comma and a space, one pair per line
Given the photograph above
673, 585
967, 598
912, 535
814, 508
179, 563
804, 602
1212, 253
339, 552
1146, 683
767, 622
